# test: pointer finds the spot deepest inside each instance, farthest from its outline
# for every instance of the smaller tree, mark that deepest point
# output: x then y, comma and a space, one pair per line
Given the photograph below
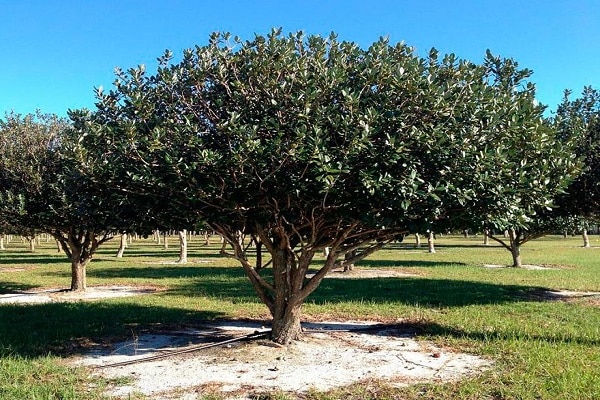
580, 205
42, 189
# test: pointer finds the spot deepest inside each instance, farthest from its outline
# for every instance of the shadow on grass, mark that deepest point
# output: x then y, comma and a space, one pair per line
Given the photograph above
216, 282
198, 252
34, 259
231, 283
33, 330
165, 271
422, 291
374, 263
408, 246
14, 287
428, 328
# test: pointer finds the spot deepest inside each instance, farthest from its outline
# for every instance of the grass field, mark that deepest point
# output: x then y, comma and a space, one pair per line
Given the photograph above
542, 349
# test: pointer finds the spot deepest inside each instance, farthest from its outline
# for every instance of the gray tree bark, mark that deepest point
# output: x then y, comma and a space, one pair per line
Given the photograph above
417, 240
122, 245
431, 242
586, 238
515, 249
183, 247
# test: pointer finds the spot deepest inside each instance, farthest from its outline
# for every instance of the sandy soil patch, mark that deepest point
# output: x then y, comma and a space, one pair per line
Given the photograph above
565, 295
358, 273
525, 266
332, 355
188, 263
58, 295
16, 269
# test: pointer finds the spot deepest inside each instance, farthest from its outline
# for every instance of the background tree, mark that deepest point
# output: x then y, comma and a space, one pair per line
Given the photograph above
42, 190
581, 203
307, 143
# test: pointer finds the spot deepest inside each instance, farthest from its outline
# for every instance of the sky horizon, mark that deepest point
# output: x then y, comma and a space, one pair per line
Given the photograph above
56, 52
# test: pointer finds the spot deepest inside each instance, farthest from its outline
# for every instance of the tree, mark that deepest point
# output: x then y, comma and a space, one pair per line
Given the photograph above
307, 143
581, 117
41, 189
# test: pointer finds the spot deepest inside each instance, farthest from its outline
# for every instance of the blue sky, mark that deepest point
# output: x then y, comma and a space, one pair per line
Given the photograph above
54, 52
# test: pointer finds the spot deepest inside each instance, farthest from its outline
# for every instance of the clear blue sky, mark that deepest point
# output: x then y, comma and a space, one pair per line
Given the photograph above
54, 52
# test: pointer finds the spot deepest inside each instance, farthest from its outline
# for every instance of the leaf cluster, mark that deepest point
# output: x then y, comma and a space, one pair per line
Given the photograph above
309, 133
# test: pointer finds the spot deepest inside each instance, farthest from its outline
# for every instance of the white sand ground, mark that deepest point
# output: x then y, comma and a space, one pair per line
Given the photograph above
58, 295
333, 354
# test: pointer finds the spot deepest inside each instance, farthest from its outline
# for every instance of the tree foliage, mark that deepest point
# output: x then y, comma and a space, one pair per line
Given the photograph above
305, 143
42, 189
581, 117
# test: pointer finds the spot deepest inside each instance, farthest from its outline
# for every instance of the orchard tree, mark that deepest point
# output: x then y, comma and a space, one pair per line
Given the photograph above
41, 189
306, 143
581, 203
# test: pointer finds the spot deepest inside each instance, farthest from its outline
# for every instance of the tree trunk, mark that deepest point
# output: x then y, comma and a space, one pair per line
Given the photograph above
31, 244
515, 248
287, 276
565, 234
80, 246
586, 238
417, 240
259, 263
182, 247
2, 242
206, 238
286, 323
486, 237
431, 242
348, 256
165, 240
466, 233
122, 245
59, 248
78, 274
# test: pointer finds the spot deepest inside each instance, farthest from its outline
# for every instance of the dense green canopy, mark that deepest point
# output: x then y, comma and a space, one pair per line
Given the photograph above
307, 143
582, 115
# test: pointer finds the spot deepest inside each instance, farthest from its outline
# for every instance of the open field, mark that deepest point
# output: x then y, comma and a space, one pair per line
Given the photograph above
542, 347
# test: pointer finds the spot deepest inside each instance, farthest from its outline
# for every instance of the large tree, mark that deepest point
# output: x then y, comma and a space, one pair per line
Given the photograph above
307, 143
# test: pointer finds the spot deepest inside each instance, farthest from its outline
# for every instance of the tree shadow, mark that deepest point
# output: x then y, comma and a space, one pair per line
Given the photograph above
374, 263
72, 327
216, 282
430, 328
231, 283
422, 291
14, 287
408, 246
34, 259
165, 271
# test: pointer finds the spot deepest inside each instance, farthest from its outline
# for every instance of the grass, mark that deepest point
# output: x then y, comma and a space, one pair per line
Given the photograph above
542, 349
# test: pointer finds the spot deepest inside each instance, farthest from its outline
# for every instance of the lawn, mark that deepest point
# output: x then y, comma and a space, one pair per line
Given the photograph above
542, 349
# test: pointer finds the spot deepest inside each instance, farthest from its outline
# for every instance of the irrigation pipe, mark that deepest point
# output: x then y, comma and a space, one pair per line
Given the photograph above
255, 335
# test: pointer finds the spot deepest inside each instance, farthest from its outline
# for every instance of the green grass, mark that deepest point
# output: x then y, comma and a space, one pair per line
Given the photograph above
542, 349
